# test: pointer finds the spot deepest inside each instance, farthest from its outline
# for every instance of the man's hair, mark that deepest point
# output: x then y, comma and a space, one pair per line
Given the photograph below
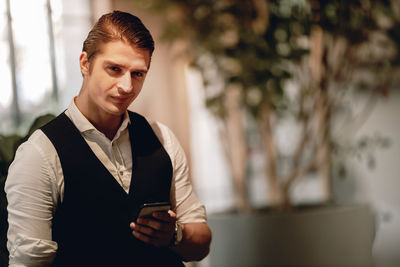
117, 26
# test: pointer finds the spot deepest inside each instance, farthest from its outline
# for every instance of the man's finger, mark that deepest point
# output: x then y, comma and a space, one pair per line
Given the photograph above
164, 216
145, 230
144, 238
157, 225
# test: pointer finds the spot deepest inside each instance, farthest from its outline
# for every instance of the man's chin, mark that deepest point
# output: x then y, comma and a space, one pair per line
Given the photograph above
117, 110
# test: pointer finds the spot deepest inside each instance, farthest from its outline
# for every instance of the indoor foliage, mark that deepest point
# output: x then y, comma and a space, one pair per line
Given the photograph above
264, 62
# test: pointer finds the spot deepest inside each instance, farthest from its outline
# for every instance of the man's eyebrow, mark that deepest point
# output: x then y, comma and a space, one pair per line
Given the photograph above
110, 62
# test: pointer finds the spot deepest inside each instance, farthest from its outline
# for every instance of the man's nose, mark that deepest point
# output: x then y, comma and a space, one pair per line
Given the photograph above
125, 83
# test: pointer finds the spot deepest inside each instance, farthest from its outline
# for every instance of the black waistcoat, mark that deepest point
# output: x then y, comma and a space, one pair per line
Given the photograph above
91, 225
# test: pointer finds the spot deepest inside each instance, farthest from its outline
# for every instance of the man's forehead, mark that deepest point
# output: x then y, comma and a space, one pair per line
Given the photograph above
123, 53
105, 47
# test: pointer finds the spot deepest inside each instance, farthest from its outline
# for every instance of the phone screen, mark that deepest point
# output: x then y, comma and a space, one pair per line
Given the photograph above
147, 209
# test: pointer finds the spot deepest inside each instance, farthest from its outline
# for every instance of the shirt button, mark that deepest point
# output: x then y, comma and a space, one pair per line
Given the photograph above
121, 172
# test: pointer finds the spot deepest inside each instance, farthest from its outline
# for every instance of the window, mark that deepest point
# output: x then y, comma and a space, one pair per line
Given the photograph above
30, 64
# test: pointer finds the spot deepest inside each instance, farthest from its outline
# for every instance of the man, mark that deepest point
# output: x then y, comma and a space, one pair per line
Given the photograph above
76, 186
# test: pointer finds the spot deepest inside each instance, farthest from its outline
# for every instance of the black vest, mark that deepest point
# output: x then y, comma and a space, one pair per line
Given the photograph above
91, 226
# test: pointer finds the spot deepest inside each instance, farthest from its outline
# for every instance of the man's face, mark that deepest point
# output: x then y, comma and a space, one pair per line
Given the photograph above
114, 78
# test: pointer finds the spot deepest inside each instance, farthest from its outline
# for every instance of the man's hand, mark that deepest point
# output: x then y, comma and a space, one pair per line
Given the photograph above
157, 230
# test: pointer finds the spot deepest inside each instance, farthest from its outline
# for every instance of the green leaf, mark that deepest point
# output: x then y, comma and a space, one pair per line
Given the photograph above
8, 146
39, 122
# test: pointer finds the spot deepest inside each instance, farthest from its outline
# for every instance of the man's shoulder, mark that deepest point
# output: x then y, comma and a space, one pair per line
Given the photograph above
162, 131
40, 142
158, 127
34, 155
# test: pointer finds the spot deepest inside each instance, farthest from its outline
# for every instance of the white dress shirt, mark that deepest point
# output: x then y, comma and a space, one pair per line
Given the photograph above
35, 185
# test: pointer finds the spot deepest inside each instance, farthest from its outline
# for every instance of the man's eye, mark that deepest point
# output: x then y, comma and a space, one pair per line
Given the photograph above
137, 74
114, 69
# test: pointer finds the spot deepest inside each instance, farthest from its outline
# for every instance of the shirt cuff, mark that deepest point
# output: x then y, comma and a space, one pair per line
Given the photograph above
27, 251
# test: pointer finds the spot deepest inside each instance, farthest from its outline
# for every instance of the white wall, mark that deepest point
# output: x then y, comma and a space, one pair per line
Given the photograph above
76, 23
379, 186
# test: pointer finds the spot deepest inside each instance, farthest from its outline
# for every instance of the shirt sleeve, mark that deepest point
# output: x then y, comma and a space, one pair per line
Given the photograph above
184, 201
31, 203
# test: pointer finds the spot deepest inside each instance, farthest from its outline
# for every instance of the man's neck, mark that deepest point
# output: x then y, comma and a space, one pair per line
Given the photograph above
108, 127
106, 123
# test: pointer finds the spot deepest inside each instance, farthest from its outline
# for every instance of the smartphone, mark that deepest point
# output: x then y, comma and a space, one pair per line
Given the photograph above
147, 209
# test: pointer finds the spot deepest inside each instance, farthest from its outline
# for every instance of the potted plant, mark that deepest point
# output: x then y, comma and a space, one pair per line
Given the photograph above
8, 146
280, 61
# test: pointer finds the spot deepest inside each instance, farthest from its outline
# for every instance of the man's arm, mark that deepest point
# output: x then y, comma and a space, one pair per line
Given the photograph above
187, 210
159, 231
195, 244
31, 201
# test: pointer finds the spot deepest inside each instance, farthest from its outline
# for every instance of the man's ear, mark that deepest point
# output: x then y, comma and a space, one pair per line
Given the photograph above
84, 63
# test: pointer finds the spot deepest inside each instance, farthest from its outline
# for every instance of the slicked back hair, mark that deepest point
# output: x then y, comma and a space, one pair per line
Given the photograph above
117, 26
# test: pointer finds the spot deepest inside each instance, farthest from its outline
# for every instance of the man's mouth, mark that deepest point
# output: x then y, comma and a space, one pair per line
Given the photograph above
120, 99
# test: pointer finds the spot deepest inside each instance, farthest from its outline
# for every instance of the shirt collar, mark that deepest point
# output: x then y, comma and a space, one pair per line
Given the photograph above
84, 125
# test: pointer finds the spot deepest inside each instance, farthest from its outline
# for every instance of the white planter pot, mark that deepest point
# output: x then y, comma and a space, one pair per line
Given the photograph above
325, 236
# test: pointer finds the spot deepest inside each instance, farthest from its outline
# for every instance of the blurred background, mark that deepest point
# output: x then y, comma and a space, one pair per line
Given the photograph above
288, 111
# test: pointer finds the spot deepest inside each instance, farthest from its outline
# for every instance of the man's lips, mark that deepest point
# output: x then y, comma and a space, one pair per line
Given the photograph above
120, 99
